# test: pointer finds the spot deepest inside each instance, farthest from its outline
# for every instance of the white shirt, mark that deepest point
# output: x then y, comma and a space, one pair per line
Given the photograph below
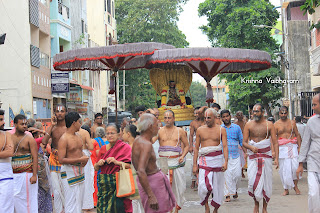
310, 147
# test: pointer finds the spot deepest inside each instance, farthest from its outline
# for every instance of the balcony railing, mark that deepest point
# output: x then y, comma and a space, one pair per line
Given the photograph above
44, 60
63, 10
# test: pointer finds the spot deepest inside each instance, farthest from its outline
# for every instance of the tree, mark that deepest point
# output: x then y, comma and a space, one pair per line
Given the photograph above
146, 21
230, 24
198, 94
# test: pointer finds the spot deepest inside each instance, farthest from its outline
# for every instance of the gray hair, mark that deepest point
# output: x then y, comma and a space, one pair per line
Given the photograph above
38, 125
145, 123
100, 132
214, 112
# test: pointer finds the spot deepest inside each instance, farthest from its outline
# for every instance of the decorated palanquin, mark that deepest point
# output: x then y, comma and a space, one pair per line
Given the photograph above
172, 83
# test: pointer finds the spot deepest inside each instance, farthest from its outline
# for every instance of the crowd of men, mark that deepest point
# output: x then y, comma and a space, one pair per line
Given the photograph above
221, 149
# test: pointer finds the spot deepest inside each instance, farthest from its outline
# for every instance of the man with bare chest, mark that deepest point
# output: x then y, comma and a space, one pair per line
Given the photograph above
289, 141
25, 168
194, 125
171, 139
98, 118
6, 174
154, 187
211, 160
260, 149
54, 132
72, 162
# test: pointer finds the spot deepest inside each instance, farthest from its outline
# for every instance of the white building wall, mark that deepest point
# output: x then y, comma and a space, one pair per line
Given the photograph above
15, 68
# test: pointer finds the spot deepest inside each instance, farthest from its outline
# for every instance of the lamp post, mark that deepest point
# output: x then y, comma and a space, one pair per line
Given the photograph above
286, 56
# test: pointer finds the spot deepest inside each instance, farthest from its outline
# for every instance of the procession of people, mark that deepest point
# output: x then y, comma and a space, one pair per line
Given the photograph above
74, 166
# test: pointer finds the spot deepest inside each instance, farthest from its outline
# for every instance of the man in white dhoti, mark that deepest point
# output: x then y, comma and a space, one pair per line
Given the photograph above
55, 131
259, 150
73, 160
6, 174
25, 168
194, 125
310, 152
233, 174
85, 135
289, 141
171, 139
212, 161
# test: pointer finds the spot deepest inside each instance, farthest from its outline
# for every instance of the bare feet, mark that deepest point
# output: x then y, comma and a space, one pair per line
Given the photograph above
193, 184
297, 190
286, 192
215, 210
236, 195
243, 176
227, 199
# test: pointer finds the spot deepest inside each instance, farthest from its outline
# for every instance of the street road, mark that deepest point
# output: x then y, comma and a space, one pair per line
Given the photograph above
278, 204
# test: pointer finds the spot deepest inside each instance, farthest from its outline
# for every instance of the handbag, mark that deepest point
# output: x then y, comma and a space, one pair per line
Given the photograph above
124, 182
136, 194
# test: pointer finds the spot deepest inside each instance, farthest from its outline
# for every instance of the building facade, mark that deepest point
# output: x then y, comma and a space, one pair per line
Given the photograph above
25, 62
296, 49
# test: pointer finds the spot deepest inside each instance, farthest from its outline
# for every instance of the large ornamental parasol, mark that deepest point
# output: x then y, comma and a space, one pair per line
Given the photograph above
209, 62
114, 57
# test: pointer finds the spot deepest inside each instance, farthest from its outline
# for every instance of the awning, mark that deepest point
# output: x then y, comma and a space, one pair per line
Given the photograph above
82, 86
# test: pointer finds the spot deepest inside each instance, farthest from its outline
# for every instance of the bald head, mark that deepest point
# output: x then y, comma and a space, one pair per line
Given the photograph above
316, 104
146, 122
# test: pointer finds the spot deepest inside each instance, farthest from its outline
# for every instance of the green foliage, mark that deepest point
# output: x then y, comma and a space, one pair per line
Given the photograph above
309, 6
146, 21
230, 24
198, 94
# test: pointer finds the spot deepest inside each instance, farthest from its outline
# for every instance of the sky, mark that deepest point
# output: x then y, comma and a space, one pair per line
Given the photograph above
189, 23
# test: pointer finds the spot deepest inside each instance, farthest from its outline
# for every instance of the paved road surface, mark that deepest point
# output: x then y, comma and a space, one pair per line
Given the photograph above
244, 204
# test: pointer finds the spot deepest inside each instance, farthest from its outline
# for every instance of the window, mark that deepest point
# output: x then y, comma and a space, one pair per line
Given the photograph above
82, 26
109, 6
38, 80
113, 9
34, 79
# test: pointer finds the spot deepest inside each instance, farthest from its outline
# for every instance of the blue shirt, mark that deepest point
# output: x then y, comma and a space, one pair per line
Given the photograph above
235, 138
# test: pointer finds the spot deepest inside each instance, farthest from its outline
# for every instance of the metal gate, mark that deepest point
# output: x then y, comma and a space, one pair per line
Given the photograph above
306, 103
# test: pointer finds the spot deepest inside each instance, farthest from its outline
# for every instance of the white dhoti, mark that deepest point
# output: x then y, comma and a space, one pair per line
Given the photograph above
232, 176
260, 171
137, 206
88, 183
57, 187
175, 173
288, 161
242, 158
73, 184
211, 177
314, 192
6, 186
25, 193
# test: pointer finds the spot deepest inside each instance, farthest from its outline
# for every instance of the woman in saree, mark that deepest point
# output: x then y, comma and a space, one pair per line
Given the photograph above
109, 159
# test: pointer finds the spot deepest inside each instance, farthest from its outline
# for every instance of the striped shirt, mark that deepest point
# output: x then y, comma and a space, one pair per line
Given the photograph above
235, 138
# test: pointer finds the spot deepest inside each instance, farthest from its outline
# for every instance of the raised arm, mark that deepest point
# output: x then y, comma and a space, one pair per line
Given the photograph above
47, 135
274, 141
184, 139
142, 175
34, 152
8, 149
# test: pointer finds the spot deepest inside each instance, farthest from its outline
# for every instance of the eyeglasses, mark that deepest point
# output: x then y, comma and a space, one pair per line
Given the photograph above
111, 133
